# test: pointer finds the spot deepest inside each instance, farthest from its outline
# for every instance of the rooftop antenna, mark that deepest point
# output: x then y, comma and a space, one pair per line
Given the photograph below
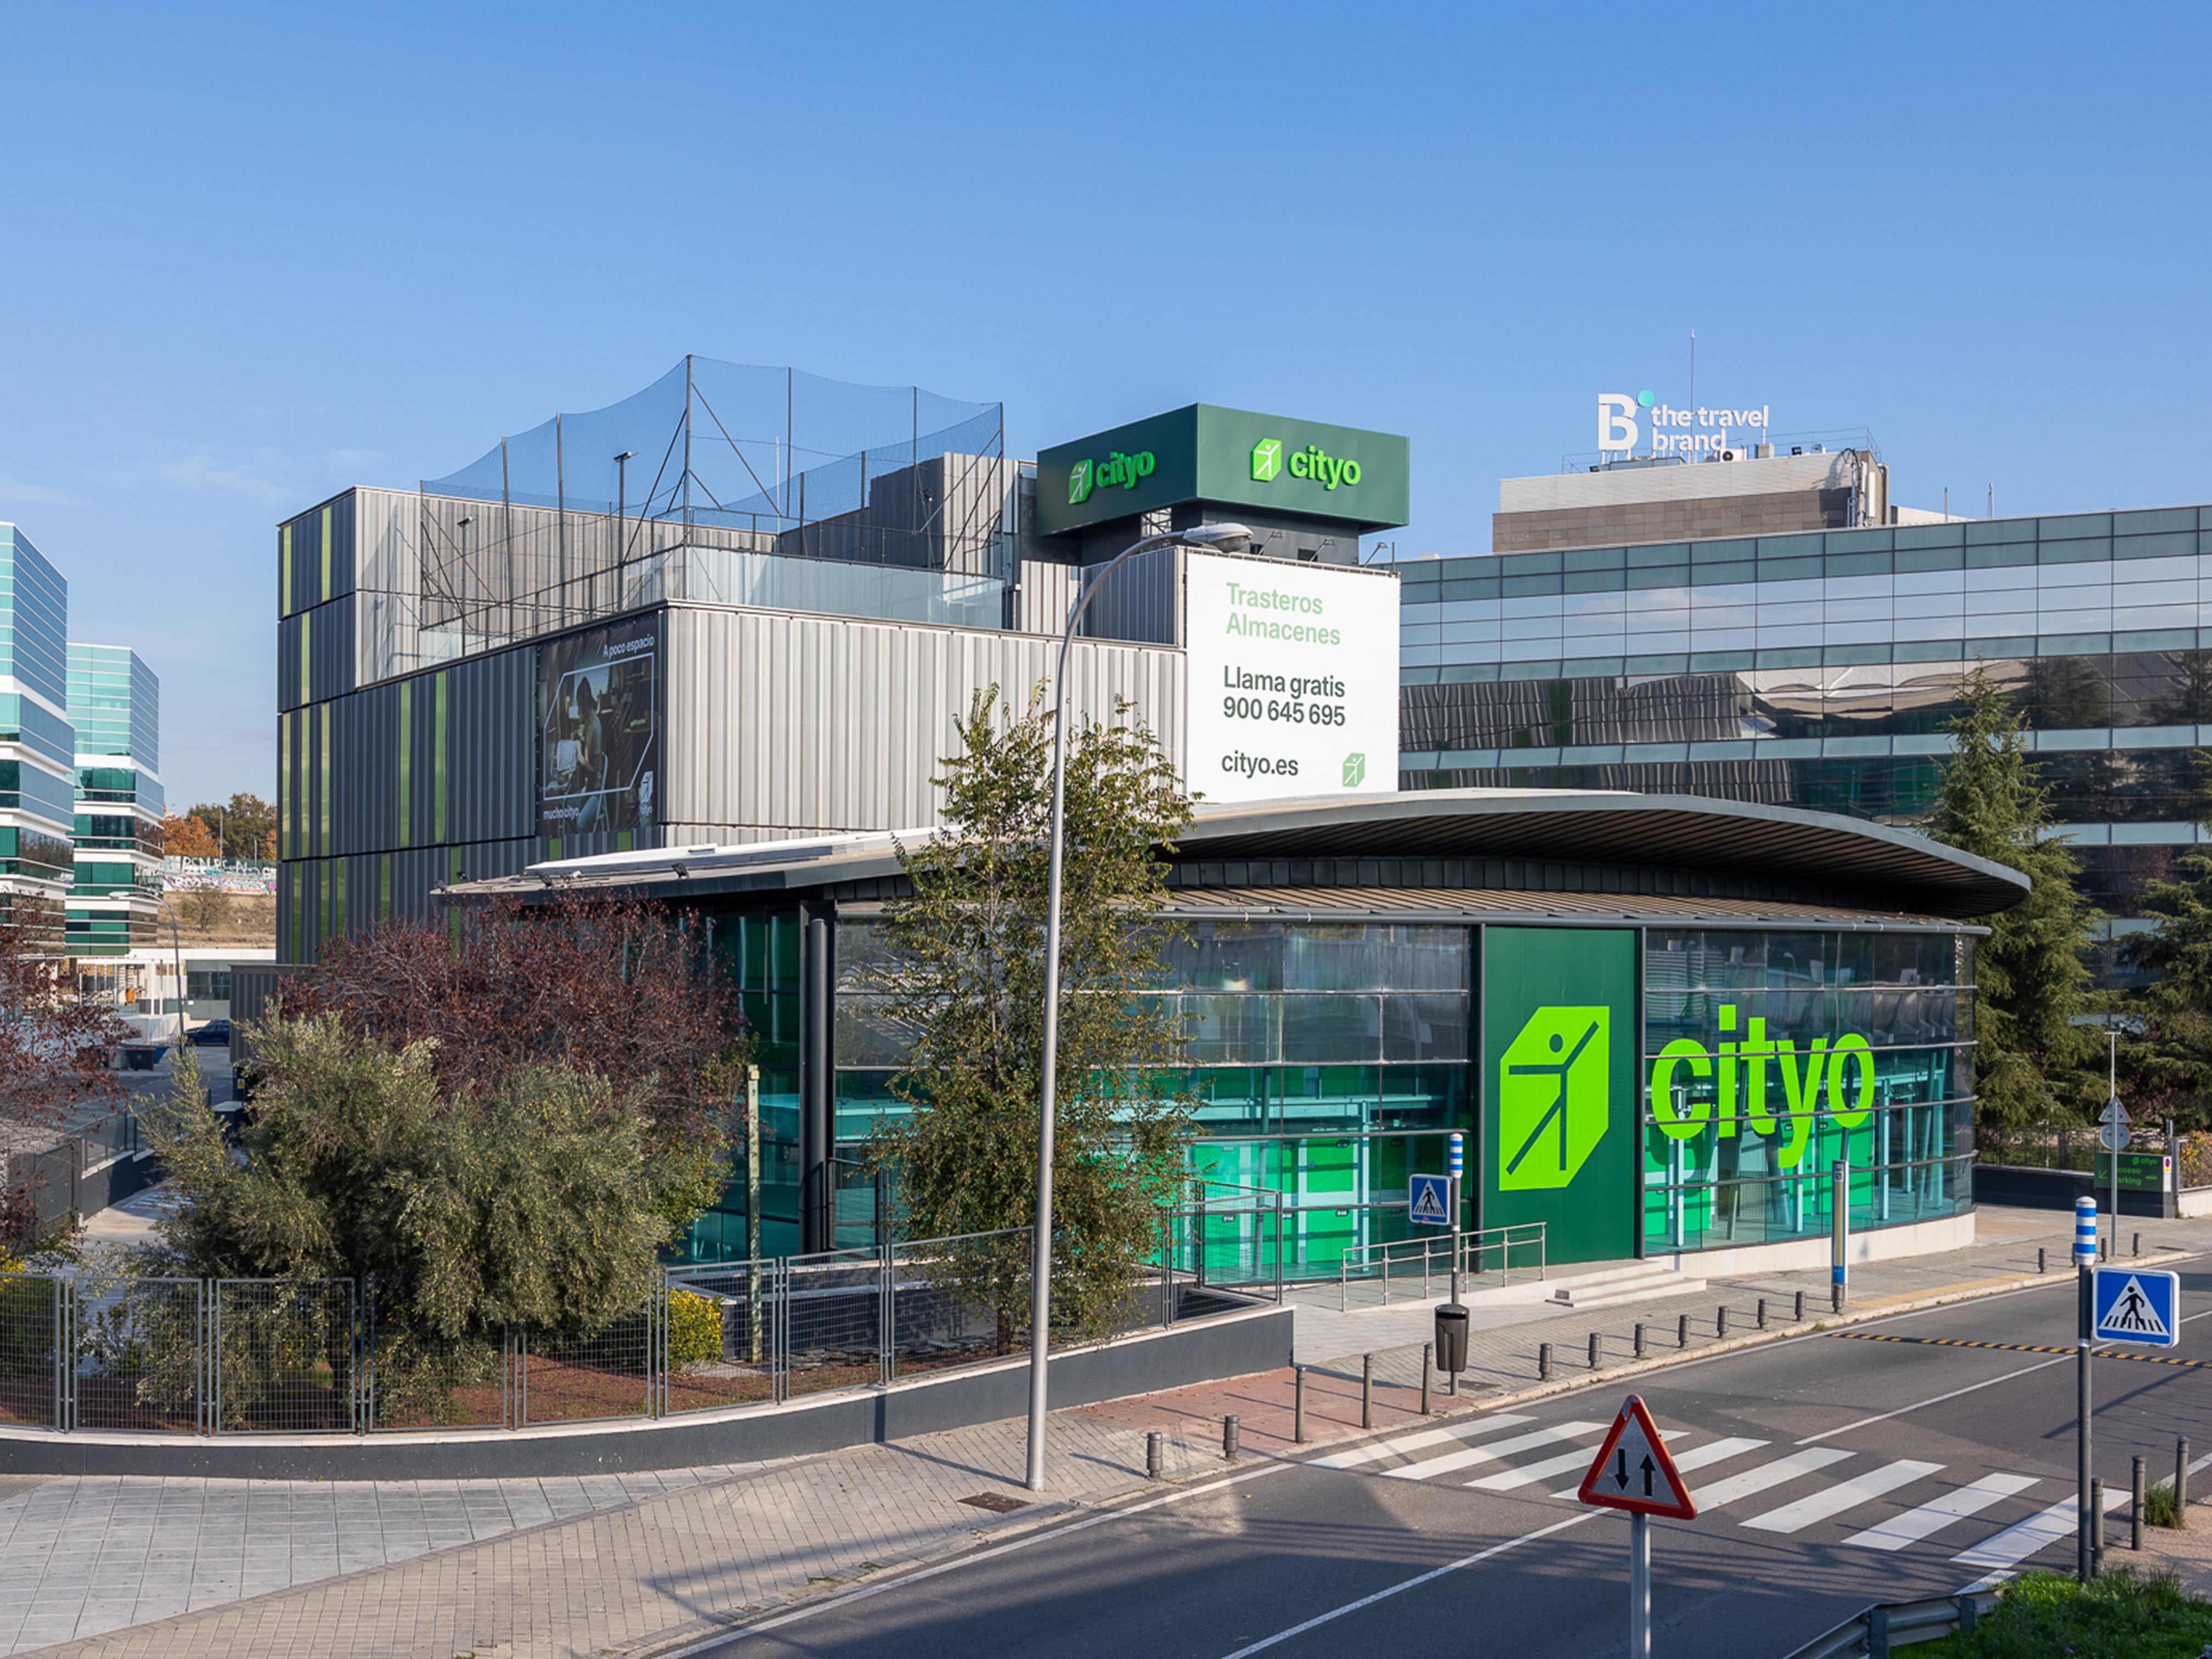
1993, 501
1694, 369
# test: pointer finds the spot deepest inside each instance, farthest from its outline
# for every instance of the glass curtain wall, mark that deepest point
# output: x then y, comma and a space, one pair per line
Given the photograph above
757, 957
1769, 1055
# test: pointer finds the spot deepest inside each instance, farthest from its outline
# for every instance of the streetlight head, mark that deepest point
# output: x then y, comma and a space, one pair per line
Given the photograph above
627, 455
1229, 537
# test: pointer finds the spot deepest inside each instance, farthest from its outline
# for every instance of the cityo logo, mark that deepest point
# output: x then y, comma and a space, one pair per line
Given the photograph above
1116, 469
1270, 462
1554, 1096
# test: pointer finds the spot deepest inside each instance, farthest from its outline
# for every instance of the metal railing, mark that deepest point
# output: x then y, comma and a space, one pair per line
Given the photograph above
229, 1357
1888, 1624
1477, 1255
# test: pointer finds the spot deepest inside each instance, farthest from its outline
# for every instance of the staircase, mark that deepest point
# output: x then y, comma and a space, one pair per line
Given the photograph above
1639, 1281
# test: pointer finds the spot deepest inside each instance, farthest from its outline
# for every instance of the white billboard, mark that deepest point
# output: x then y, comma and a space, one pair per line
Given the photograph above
1293, 678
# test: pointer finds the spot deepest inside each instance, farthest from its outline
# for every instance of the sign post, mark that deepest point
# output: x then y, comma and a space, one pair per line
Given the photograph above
1456, 1164
2085, 1266
1839, 1250
2112, 1136
1633, 1471
2118, 1305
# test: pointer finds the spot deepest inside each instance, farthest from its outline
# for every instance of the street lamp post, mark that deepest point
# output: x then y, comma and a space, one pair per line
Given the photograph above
621, 512
1230, 538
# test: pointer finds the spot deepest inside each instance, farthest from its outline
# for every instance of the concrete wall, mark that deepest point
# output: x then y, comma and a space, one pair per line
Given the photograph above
1228, 1345
1799, 1254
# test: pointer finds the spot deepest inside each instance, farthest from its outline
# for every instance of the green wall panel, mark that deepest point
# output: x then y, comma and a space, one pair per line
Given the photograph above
1559, 1118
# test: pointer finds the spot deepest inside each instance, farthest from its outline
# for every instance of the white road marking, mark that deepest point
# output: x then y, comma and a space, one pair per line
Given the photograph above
2039, 1531
1698, 1458
1938, 1513
1414, 1583
1419, 1441
1528, 1473
1467, 1456
1843, 1495
2025, 1370
1752, 1482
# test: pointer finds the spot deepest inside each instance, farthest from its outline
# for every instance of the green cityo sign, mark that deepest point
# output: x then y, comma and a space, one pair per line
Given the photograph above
1312, 462
1229, 458
1127, 471
1835, 1076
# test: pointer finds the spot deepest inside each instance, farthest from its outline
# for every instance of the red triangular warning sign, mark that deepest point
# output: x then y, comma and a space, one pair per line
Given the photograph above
1634, 1472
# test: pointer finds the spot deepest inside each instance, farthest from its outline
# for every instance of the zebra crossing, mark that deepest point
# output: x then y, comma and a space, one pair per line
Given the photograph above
1511, 1452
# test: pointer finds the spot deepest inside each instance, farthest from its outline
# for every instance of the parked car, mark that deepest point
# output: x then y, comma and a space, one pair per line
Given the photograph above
214, 1032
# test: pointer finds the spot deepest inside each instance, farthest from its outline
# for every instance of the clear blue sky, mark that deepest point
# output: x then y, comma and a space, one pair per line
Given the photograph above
251, 257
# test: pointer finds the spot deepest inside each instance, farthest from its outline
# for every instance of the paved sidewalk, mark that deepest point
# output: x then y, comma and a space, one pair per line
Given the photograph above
635, 1564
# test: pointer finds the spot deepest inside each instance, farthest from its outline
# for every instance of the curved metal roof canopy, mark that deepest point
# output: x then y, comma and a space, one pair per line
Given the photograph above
1897, 868
1866, 866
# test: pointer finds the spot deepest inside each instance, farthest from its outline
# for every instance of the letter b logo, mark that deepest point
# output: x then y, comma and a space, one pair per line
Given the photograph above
1555, 1086
1267, 459
1616, 421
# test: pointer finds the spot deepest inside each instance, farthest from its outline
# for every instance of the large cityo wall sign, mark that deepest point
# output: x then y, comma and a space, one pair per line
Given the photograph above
1229, 457
1293, 678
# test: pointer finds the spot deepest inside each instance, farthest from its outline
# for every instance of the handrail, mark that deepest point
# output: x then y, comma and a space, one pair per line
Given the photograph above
1873, 1631
1459, 1245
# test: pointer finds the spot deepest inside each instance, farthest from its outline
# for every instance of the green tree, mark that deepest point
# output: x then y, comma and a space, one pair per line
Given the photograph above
539, 1199
2032, 1064
2165, 1049
962, 971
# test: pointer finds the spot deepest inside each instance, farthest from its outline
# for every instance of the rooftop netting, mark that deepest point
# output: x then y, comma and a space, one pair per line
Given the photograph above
730, 444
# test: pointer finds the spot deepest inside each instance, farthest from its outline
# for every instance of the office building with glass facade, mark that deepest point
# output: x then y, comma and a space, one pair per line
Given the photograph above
38, 749
1817, 671
115, 705
1656, 1023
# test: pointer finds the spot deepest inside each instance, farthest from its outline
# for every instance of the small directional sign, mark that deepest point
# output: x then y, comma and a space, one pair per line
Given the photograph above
2135, 1304
2114, 1112
1428, 1200
2113, 1136
1633, 1472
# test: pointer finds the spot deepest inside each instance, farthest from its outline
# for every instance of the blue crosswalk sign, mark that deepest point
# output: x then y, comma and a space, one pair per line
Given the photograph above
1428, 1200
2135, 1304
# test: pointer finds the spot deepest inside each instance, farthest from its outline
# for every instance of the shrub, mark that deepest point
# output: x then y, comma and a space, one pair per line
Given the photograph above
694, 1330
2159, 1508
2121, 1615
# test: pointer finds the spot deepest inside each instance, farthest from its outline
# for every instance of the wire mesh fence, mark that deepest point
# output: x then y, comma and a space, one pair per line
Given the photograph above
956, 1301
322, 1357
283, 1352
137, 1355
613, 1372
721, 1335
832, 1310
30, 1350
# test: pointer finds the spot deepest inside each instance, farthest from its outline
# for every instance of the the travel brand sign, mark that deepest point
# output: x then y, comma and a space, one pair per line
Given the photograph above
1624, 422
1227, 457
1766, 1084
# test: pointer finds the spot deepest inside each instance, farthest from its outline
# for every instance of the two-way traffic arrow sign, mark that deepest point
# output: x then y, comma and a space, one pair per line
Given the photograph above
1633, 1471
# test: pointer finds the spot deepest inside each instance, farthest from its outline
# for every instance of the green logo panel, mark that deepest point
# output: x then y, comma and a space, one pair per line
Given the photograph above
1078, 483
1559, 1141
1554, 1096
1266, 459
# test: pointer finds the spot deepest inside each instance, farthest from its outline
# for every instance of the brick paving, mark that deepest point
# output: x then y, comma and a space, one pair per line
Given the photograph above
632, 1565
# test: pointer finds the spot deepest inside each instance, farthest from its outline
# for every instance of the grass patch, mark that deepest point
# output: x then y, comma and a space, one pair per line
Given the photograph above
2122, 1615
2160, 1508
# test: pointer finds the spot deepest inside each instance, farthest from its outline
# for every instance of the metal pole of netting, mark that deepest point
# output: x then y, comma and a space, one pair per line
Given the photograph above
506, 539
687, 441
560, 516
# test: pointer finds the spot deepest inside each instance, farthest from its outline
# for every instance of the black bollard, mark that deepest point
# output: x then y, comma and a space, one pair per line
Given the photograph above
1230, 1427
1152, 1455
1428, 1352
1367, 1391
1799, 1315
1298, 1405
1682, 1332
1596, 1351
1543, 1362
2181, 1482
1762, 1313
2134, 1506
1639, 1339
1720, 1323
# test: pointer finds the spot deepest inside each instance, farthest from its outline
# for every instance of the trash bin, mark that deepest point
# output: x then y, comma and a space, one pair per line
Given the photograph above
1451, 1338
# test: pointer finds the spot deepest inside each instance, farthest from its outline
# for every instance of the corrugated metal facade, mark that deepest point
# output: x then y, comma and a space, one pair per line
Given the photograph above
785, 725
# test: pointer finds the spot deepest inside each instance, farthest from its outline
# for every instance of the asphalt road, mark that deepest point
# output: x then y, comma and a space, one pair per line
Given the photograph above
1831, 1471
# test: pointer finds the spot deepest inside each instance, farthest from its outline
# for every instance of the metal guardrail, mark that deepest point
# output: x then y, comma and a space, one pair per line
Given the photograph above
1474, 1253
1888, 1625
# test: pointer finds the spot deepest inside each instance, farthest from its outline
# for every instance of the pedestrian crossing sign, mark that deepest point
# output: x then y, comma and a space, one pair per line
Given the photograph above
1428, 1200
1634, 1470
2136, 1306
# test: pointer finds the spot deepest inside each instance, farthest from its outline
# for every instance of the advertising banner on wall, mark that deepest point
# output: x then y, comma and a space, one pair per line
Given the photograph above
599, 750
1561, 1124
1293, 678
